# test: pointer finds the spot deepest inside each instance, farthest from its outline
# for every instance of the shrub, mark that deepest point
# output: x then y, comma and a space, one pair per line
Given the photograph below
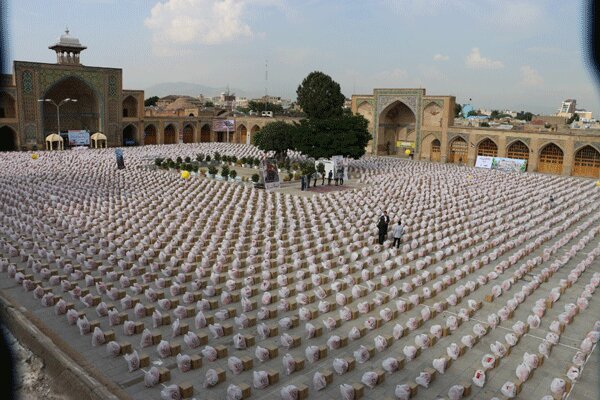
165, 165
244, 160
225, 159
200, 157
257, 161
255, 178
233, 158
158, 161
225, 171
217, 156
212, 170
179, 160
233, 174
208, 158
286, 178
188, 160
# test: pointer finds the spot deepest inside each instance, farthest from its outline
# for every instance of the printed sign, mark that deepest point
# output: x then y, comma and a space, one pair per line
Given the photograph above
270, 174
501, 163
78, 138
223, 125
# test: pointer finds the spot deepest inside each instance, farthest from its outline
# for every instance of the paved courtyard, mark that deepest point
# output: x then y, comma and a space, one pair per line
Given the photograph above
217, 290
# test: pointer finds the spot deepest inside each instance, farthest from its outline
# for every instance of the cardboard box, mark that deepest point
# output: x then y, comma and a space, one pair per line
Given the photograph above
93, 325
359, 390
299, 362
413, 389
273, 351
164, 375
351, 363
125, 348
302, 392
220, 375
221, 351
246, 390
249, 340
109, 336
149, 310
156, 337
175, 349
196, 361
247, 363
328, 375
273, 376
144, 360
322, 352
186, 390
380, 376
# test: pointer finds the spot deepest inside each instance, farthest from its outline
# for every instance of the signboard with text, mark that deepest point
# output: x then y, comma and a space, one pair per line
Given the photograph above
501, 163
78, 138
223, 125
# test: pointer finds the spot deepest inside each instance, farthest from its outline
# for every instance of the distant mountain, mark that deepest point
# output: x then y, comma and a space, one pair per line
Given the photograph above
190, 89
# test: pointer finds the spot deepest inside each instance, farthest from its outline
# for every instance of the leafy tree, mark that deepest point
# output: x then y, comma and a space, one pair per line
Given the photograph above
258, 106
255, 178
151, 101
277, 137
495, 114
472, 113
484, 125
574, 117
346, 135
209, 103
225, 171
320, 96
457, 109
524, 116
232, 174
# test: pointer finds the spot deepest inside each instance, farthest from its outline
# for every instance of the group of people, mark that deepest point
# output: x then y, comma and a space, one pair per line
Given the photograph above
383, 226
338, 177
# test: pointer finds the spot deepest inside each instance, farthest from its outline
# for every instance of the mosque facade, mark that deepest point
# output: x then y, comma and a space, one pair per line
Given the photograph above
404, 121
39, 99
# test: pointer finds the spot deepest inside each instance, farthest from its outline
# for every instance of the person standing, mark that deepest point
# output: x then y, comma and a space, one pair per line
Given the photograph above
398, 232
341, 175
329, 177
381, 229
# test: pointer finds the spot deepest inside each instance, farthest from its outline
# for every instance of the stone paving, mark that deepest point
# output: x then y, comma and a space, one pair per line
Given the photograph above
482, 251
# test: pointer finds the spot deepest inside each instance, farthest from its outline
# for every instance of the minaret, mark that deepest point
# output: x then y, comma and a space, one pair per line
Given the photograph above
67, 49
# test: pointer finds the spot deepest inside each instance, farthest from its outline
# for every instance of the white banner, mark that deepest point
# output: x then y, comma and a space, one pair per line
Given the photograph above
484, 162
501, 163
79, 138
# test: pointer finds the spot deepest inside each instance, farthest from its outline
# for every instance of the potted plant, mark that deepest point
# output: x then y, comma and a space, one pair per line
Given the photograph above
225, 172
217, 156
256, 162
158, 161
207, 158
232, 174
200, 157
255, 178
188, 160
212, 171
179, 160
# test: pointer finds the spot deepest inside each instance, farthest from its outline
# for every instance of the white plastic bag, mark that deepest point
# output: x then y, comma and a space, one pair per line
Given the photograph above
340, 366
211, 378
479, 378
423, 379
439, 364
319, 381
184, 362
151, 377
456, 392
347, 392
235, 365
133, 361
260, 379
390, 364
402, 392
369, 379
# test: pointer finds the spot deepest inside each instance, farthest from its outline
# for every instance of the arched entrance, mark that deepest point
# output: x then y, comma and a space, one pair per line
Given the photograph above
130, 136
458, 151
81, 115
205, 133
253, 130
396, 122
170, 134
130, 107
150, 135
243, 133
487, 147
188, 134
551, 159
8, 139
519, 151
587, 162
7, 106
436, 151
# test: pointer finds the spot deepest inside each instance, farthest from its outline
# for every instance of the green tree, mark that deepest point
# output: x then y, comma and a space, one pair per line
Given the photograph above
484, 125
495, 114
472, 113
320, 96
276, 136
345, 135
457, 109
574, 117
151, 101
209, 103
258, 106
524, 115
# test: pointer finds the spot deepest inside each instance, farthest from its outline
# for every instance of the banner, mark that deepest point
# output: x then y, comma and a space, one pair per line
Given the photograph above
223, 125
410, 145
340, 167
270, 174
501, 163
78, 138
484, 162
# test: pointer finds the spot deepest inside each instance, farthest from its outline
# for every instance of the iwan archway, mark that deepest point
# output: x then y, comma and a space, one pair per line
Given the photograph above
397, 122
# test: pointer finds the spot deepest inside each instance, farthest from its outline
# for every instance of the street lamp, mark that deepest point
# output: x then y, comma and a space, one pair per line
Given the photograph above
63, 101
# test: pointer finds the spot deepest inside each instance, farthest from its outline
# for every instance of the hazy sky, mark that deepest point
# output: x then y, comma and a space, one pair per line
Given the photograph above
517, 54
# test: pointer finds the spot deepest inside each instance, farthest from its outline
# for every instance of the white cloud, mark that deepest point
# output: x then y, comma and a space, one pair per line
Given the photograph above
476, 61
530, 77
210, 22
440, 57
391, 78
